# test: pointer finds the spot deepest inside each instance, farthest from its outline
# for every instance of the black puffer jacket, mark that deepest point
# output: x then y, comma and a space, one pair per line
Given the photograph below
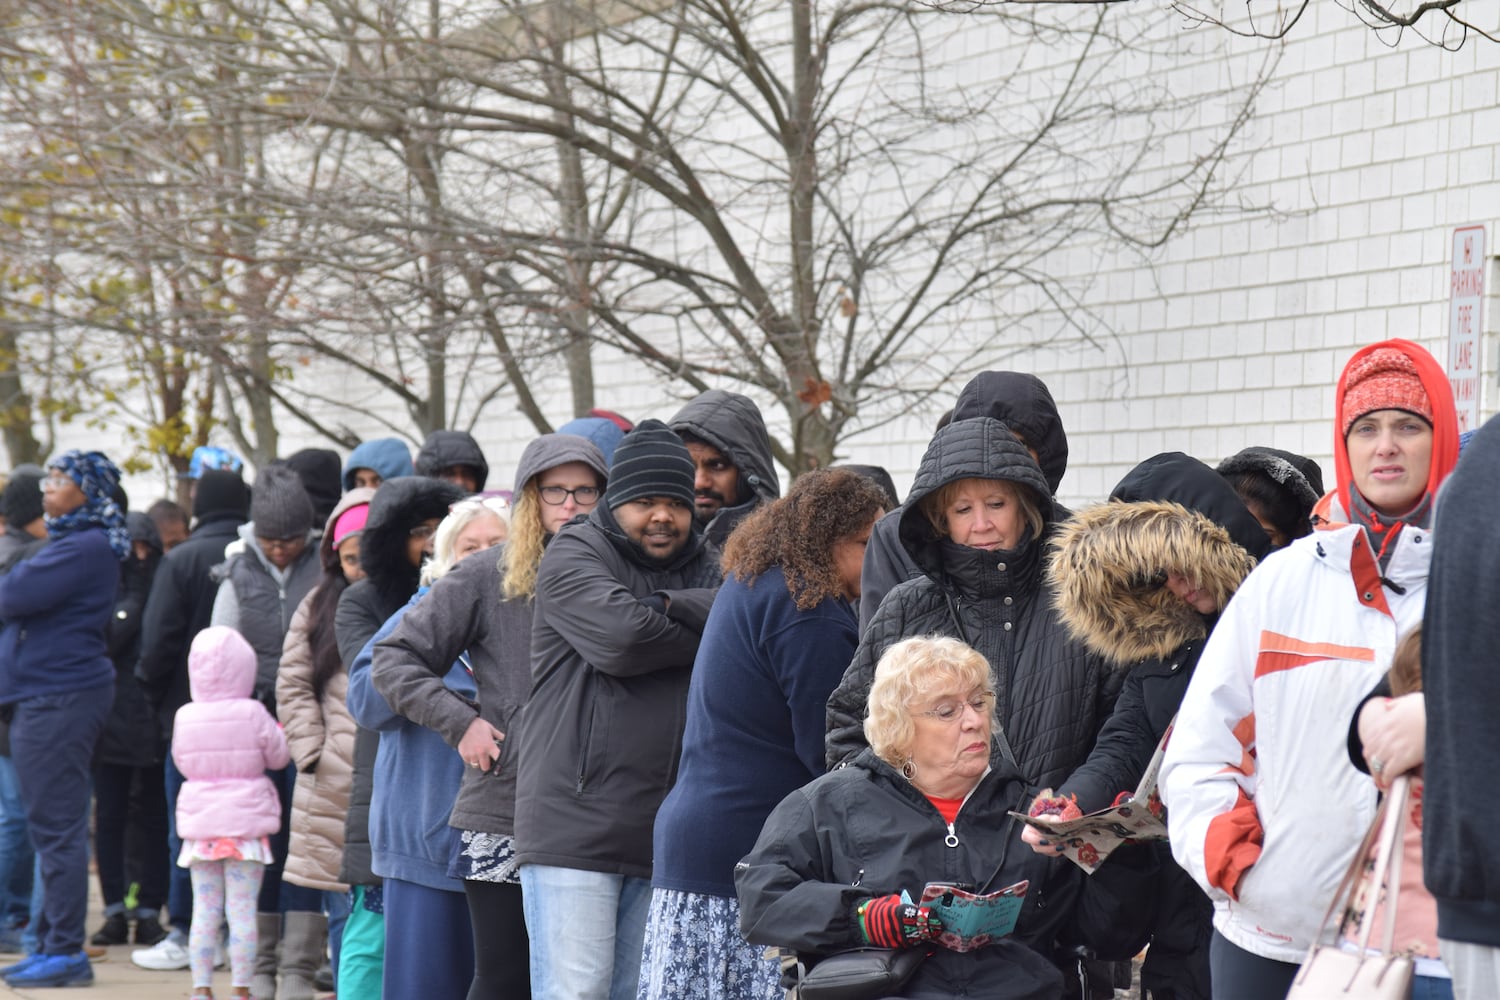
864, 831
390, 579
732, 423
1019, 401
602, 732
1052, 693
180, 606
1170, 513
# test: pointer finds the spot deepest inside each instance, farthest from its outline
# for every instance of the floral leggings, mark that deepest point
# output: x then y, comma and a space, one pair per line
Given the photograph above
224, 890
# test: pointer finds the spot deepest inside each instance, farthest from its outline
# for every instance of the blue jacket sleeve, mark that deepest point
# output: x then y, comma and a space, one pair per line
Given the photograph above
50, 577
810, 656
367, 705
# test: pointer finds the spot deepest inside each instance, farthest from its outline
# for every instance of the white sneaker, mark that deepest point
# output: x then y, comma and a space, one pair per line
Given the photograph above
165, 955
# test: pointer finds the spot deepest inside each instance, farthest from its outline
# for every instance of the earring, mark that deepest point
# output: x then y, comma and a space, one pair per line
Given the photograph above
908, 770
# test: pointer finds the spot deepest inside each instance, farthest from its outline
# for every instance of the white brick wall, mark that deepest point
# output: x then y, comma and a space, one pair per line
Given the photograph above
1369, 155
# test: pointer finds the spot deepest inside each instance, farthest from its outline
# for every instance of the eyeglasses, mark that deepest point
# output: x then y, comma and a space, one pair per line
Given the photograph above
281, 544
423, 531
583, 496
949, 712
495, 505
56, 481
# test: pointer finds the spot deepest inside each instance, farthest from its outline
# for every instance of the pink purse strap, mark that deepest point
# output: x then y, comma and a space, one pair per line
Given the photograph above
1385, 829
1387, 871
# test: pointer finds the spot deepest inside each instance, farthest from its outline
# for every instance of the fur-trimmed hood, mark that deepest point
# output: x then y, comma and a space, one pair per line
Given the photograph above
1171, 512
399, 505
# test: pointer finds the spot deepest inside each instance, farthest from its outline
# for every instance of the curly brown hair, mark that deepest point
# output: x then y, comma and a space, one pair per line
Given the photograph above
798, 533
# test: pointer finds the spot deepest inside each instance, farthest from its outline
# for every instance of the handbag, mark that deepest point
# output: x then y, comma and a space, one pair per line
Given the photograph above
1330, 973
860, 974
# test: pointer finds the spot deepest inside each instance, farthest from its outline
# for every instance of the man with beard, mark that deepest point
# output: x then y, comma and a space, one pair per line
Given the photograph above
733, 471
621, 599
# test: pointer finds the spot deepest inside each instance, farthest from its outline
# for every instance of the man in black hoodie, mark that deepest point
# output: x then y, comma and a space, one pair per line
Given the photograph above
179, 607
1460, 633
1019, 401
731, 451
621, 600
454, 456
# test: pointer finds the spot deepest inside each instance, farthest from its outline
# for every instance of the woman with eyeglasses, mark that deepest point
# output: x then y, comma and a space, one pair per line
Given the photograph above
483, 609
1142, 580
428, 940
397, 537
924, 803
976, 523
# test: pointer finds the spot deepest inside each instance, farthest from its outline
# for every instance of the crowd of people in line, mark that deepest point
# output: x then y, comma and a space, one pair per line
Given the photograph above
647, 726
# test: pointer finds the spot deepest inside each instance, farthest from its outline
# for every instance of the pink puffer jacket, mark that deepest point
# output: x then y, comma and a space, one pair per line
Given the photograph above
223, 742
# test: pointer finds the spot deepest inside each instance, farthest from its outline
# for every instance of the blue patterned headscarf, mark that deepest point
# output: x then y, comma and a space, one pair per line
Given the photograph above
98, 478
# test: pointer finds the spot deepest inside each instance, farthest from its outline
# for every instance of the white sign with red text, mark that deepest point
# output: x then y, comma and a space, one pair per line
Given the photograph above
1466, 295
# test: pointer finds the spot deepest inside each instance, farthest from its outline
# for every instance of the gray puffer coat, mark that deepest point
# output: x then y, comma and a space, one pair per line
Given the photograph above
1052, 693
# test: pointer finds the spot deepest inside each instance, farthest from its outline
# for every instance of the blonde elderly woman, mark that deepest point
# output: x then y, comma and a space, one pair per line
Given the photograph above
921, 805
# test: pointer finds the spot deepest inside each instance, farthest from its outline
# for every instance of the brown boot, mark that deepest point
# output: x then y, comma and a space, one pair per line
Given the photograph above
302, 949
268, 935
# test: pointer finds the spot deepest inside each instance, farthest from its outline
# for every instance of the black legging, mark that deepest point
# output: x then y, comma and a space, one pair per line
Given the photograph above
502, 951
1240, 975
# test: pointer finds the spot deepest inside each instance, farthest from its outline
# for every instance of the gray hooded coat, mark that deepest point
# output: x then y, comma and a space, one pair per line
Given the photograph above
466, 610
733, 424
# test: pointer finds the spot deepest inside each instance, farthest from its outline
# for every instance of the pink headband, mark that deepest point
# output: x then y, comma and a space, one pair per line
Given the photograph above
350, 522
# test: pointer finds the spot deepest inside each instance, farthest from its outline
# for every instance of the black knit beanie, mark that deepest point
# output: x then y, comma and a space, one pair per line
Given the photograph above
220, 491
279, 505
650, 461
21, 503
322, 473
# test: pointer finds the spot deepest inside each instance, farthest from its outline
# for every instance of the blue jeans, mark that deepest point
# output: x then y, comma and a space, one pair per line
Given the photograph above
52, 740
16, 856
1431, 988
336, 909
179, 880
587, 930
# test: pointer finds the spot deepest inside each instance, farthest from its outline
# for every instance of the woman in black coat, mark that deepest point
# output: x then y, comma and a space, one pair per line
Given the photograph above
1141, 580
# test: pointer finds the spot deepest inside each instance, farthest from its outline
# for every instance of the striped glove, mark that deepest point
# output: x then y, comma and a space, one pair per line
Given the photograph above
888, 922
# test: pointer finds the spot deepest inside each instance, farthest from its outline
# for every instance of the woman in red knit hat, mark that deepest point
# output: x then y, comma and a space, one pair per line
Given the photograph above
1265, 809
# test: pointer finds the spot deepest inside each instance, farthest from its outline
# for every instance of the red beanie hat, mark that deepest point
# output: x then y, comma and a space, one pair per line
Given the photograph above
1384, 379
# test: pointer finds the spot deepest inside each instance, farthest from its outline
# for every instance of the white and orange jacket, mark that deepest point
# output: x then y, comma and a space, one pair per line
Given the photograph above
1264, 808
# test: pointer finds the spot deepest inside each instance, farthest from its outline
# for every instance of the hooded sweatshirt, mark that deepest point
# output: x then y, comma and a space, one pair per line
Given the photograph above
223, 743
733, 424
445, 449
258, 600
387, 456
466, 610
1461, 631
1023, 404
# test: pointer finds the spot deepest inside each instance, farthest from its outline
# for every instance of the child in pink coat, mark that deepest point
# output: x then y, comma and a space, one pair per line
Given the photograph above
223, 742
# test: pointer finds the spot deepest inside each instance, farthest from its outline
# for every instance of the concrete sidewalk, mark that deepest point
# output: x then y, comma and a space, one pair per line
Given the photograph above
117, 978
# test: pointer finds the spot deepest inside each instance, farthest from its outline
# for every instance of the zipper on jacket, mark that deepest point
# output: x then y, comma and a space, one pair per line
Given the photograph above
952, 839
